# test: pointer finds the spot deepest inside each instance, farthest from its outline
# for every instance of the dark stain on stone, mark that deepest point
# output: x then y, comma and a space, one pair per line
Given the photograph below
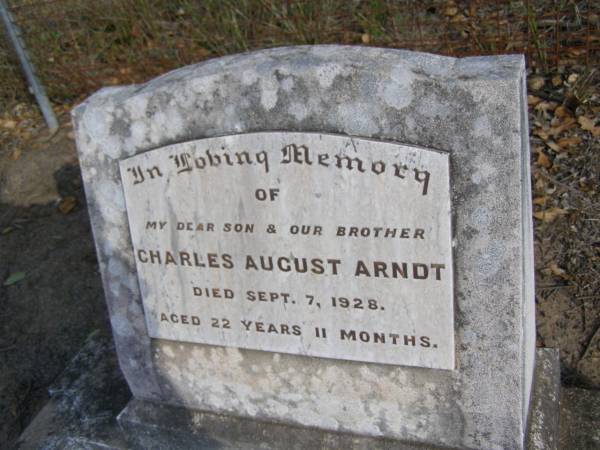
157, 103
469, 232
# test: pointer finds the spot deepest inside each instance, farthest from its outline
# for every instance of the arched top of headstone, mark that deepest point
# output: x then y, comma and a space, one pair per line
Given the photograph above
392, 94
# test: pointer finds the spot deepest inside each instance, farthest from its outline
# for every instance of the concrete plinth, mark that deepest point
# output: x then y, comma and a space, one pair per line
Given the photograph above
87, 399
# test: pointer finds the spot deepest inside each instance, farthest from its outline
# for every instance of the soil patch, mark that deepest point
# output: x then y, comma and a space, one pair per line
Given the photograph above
47, 314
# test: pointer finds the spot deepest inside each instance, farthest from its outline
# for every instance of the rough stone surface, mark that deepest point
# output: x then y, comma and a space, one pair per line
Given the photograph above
81, 415
85, 401
149, 424
543, 426
580, 419
473, 108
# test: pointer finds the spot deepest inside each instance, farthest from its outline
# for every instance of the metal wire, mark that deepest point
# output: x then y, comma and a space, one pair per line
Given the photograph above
14, 34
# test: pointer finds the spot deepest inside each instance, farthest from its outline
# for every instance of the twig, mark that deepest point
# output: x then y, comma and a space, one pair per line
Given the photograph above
587, 297
554, 286
590, 338
569, 188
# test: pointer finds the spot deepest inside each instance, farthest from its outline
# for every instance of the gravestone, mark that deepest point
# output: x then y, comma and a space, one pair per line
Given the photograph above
328, 237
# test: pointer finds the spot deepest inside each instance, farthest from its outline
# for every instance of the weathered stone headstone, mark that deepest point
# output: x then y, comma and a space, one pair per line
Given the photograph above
330, 237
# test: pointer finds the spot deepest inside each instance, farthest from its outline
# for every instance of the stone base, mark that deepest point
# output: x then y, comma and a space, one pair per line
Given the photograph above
544, 413
579, 419
84, 403
149, 425
86, 400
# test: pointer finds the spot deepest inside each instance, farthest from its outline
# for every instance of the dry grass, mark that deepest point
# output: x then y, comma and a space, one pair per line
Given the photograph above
79, 46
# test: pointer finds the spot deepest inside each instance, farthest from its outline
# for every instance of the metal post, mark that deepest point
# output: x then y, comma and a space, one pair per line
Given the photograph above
34, 84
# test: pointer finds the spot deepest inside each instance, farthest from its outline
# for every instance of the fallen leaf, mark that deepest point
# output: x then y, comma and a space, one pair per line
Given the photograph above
557, 270
540, 184
554, 146
540, 132
572, 78
561, 112
543, 160
549, 215
540, 200
546, 106
67, 204
532, 100
366, 38
556, 80
450, 11
566, 123
569, 142
588, 124
14, 278
8, 124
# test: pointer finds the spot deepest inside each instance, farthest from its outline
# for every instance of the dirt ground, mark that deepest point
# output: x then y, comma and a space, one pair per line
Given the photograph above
51, 296
564, 114
46, 316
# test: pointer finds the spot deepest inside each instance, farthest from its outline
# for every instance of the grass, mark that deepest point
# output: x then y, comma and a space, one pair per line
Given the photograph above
79, 46
535, 37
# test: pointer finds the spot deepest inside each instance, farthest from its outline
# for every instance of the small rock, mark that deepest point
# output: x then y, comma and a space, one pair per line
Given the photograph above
536, 83
543, 160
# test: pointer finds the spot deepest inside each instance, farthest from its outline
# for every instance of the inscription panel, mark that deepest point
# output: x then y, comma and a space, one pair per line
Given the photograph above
302, 243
